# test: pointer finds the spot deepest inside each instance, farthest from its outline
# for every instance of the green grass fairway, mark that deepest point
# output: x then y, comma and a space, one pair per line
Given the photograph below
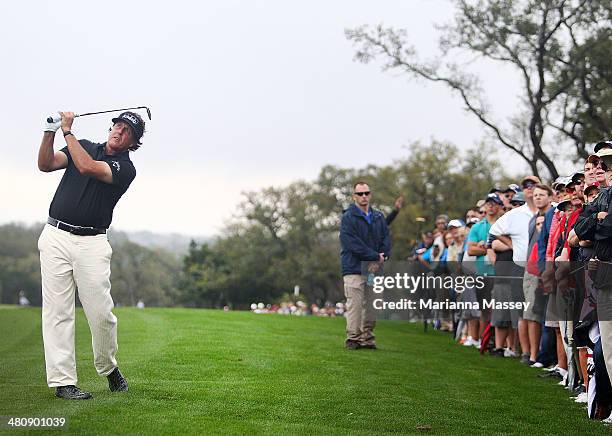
204, 371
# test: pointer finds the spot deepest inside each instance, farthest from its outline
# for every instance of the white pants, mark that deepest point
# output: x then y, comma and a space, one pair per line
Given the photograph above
68, 262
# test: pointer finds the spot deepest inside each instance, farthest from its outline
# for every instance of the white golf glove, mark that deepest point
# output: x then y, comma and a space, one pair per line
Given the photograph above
53, 126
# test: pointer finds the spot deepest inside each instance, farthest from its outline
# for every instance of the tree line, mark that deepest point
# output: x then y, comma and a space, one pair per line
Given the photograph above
138, 273
288, 236
279, 238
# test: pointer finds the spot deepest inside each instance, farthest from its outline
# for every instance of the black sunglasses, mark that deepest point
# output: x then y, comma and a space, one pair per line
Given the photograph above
528, 185
361, 194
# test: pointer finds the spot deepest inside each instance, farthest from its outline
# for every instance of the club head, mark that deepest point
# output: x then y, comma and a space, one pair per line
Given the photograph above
148, 111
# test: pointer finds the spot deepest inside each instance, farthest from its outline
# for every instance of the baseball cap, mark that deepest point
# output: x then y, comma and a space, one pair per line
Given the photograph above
455, 223
602, 144
559, 181
565, 180
513, 187
534, 179
135, 122
494, 198
518, 198
564, 202
605, 155
574, 177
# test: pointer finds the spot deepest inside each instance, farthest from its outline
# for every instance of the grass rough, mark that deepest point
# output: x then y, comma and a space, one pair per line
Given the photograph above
205, 371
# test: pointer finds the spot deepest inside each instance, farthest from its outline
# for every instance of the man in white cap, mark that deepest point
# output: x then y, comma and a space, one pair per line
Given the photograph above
513, 227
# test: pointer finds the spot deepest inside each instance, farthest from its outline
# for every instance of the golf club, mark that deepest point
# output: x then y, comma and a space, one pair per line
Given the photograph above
56, 118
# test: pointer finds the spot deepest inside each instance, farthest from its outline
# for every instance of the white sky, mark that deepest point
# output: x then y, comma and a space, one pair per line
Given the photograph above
244, 95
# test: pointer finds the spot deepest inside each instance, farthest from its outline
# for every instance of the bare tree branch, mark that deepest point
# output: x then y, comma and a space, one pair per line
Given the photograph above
550, 43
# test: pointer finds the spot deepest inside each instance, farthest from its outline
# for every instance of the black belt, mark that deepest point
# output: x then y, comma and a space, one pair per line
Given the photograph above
75, 230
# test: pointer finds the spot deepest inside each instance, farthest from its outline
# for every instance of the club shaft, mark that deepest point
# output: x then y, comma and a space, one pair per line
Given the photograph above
111, 110
55, 119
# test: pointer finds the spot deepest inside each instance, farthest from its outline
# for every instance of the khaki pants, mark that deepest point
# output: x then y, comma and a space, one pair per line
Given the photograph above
530, 288
360, 313
68, 262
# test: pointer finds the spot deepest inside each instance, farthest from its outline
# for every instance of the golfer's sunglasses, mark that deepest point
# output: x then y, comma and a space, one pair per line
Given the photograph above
361, 194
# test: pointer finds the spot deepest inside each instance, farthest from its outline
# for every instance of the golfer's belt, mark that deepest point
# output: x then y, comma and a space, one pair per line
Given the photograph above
75, 230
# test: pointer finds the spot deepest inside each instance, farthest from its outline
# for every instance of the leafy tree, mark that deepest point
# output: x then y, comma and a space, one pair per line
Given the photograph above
140, 273
287, 236
137, 272
437, 179
19, 263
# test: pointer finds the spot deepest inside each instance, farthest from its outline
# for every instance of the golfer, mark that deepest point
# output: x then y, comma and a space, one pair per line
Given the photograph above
74, 249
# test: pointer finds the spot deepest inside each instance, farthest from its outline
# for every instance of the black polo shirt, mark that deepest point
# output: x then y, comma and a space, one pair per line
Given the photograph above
86, 201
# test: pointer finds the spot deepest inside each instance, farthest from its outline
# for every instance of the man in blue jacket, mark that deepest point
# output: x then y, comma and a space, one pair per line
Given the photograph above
364, 237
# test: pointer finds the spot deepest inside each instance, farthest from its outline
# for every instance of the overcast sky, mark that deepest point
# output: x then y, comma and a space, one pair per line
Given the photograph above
244, 95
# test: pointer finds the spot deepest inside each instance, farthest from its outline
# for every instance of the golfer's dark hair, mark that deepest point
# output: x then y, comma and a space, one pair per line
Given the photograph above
544, 187
360, 182
136, 145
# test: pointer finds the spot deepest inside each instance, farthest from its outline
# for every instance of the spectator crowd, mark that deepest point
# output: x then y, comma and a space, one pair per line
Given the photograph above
546, 245
543, 252
299, 308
